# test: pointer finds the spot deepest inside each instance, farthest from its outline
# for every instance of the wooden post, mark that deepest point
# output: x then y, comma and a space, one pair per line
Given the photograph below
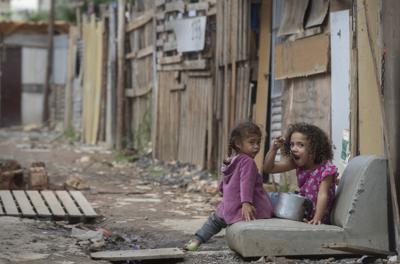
390, 81
70, 78
46, 91
111, 77
121, 75
262, 100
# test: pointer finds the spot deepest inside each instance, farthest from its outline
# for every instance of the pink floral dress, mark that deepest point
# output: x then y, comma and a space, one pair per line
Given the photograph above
309, 181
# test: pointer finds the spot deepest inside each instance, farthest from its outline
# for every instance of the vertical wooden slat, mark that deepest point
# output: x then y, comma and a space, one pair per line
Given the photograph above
121, 77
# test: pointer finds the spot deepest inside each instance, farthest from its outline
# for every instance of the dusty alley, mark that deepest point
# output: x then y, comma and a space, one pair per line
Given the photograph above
142, 204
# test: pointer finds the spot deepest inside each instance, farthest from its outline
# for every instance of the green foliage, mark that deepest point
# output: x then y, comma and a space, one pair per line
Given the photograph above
142, 135
65, 13
70, 134
121, 157
155, 170
96, 3
62, 12
37, 16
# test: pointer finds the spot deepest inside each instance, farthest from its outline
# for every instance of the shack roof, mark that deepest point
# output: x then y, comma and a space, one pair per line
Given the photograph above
9, 27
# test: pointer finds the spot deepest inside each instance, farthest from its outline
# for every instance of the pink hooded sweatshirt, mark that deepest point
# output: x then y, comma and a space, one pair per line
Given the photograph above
242, 183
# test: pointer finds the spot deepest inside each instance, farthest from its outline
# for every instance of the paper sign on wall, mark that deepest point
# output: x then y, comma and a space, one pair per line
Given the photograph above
190, 33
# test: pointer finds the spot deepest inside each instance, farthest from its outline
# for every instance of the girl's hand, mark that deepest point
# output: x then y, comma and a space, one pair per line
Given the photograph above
277, 143
248, 211
315, 221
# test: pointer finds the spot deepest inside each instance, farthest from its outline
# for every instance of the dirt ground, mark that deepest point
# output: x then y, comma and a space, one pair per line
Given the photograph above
143, 204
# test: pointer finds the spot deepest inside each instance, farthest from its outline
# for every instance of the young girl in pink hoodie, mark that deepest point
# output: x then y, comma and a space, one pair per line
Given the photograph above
243, 196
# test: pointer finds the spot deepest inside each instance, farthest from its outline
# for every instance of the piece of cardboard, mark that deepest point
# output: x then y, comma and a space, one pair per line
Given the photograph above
302, 57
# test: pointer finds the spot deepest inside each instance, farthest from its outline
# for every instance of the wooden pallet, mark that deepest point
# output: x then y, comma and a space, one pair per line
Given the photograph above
57, 205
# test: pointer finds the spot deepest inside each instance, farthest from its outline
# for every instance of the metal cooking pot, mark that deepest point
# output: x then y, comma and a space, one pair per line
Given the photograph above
291, 206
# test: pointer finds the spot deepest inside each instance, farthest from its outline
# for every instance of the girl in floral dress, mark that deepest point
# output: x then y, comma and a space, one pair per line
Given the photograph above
307, 149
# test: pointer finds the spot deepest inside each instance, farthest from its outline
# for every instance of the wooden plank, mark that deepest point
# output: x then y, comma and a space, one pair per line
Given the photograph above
315, 91
198, 6
140, 21
176, 88
185, 65
68, 203
170, 59
24, 204
38, 203
292, 17
8, 202
369, 111
169, 46
160, 16
159, 3
212, 11
139, 254
111, 79
302, 57
159, 43
141, 53
120, 76
306, 33
83, 203
55, 206
199, 74
168, 26
131, 55
195, 64
317, 14
138, 92
145, 52
176, 6
1, 210
261, 106
160, 28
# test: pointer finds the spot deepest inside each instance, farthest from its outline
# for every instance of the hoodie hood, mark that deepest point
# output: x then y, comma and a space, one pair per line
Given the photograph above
228, 167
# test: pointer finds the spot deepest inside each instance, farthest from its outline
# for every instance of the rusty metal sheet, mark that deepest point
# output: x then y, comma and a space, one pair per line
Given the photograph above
293, 17
318, 11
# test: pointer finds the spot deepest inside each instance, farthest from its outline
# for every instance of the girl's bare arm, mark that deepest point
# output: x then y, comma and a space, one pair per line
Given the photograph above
272, 166
322, 201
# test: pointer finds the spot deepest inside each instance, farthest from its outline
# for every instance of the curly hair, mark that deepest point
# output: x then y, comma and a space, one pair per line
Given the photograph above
241, 132
319, 144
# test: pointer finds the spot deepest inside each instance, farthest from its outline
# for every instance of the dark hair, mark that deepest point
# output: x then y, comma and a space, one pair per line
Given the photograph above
241, 132
320, 145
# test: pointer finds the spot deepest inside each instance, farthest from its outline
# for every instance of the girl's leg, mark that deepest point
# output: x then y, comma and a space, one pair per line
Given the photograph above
211, 227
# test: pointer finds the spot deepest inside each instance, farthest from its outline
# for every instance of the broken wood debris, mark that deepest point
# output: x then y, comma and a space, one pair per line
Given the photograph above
141, 254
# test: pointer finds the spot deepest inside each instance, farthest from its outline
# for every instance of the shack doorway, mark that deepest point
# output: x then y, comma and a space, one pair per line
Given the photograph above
10, 86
